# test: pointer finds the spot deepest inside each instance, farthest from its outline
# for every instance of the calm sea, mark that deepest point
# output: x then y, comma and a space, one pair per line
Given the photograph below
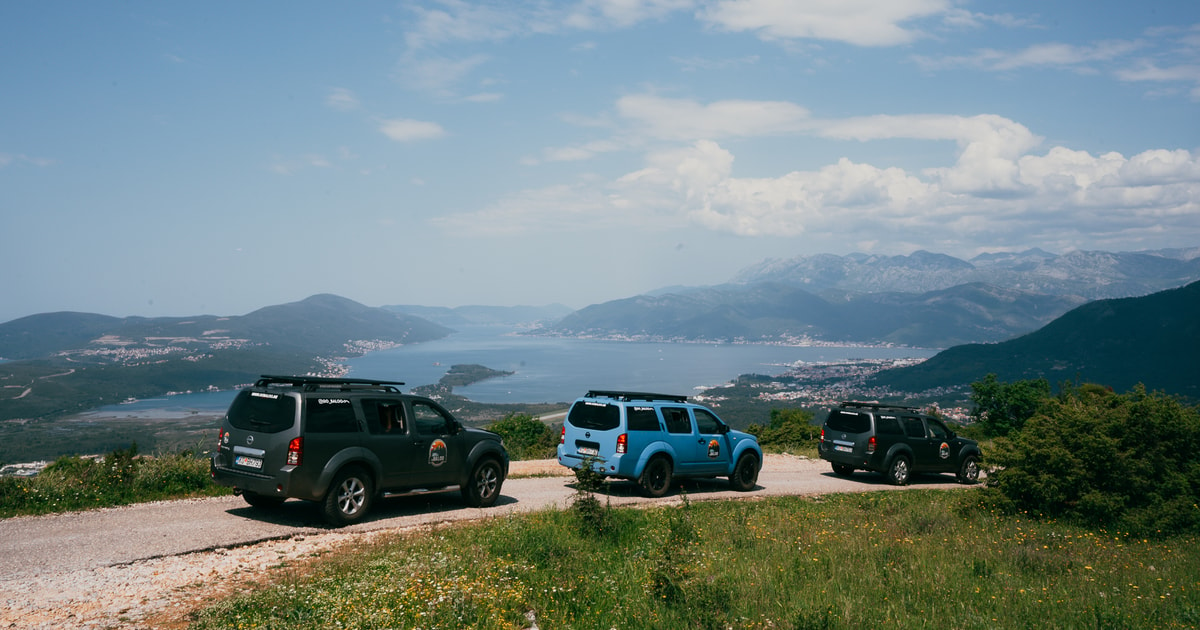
560, 370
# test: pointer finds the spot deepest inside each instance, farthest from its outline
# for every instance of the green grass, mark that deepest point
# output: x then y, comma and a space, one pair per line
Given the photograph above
119, 478
912, 559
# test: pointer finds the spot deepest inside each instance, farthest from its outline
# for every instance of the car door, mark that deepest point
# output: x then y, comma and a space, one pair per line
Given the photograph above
947, 447
682, 438
712, 452
389, 439
925, 450
437, 458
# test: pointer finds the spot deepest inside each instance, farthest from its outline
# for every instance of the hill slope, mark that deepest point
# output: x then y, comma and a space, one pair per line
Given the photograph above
1154, 340
71, 362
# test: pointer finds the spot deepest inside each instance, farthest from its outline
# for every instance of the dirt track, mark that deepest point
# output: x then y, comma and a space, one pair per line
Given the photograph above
146, 565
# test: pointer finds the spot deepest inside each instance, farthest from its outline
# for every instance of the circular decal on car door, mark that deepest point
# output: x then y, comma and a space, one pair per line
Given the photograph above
714, 449
437, 453
944, 451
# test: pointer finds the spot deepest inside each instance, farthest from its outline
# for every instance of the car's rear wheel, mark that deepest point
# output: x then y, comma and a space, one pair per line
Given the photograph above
349, 497
656, 477
842, 470
262, 501
900, 471
968, 473
745, 474
483, 486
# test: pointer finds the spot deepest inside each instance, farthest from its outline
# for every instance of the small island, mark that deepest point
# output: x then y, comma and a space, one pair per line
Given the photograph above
464, 375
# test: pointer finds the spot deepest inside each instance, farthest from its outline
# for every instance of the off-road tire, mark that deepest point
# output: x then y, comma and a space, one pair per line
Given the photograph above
349, 497
745, 473
899, 472
968, 473
483, 486
656, 477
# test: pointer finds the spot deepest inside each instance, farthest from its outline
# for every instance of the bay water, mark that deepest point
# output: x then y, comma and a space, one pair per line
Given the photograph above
549, 369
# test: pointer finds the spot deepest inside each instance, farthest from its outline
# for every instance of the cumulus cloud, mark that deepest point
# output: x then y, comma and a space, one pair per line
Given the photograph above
858, 22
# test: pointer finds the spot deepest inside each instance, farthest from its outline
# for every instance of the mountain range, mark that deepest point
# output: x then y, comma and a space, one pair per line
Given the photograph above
923, 299
1153, 340
68, 362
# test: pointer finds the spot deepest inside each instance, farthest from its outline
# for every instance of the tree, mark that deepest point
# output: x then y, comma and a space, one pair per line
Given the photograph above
789, 428
525, 437
1002, 408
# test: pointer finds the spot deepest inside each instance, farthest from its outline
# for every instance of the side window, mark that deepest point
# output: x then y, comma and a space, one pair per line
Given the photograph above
914, 428
641, 419
706, 422
429, 419
384, 417
888, 425
677, 420
937, 430
330, 415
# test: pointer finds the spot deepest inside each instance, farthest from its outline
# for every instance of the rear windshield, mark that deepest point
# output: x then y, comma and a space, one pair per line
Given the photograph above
848, 422
262, 412
596, 416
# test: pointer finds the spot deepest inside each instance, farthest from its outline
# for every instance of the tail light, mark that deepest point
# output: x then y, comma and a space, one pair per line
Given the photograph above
562, 439
822, 434
220, 437
871, 445
295, 451
622, 443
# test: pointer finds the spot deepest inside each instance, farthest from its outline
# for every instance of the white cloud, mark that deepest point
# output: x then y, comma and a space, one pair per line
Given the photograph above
407, 130
686, 120
858, 22
7, 159
342, 99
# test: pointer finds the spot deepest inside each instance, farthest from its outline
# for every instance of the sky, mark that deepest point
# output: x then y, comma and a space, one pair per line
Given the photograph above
187, 158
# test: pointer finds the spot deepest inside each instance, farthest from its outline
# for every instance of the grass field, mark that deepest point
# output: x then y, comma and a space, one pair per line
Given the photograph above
914, 559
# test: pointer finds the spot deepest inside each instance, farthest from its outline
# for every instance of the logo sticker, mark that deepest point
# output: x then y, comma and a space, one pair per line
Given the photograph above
437, 453
944, 451
714, 449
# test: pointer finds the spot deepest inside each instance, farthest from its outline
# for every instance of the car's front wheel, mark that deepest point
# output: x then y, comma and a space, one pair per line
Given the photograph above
968, 473
349, 497
656, 478
900, 471
745, 474
483, 486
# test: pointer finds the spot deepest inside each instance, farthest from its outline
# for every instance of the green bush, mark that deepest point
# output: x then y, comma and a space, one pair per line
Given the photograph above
1128, 461
788, 429
526, 437
119, 478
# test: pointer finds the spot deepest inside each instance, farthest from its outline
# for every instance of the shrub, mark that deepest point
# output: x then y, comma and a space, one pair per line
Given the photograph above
526, 437
788, 428
1129, 461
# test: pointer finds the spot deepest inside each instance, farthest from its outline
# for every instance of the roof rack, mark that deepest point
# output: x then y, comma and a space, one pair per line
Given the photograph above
851, 403
313, 383
628, 396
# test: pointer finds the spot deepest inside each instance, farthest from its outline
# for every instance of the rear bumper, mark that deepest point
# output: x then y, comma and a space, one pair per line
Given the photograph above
282, 485
825, 450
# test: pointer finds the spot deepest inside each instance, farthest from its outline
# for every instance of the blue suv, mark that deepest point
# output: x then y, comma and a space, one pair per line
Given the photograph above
654, 439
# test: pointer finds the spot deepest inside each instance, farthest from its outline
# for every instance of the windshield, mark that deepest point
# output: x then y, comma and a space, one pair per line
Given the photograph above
263, 412
596, 416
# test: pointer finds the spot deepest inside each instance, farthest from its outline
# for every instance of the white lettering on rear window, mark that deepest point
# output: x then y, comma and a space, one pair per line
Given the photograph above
333, 401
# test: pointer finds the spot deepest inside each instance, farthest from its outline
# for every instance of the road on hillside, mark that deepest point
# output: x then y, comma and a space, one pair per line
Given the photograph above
34, 546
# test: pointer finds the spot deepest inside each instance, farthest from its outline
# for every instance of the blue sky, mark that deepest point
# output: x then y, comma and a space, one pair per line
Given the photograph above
171, 158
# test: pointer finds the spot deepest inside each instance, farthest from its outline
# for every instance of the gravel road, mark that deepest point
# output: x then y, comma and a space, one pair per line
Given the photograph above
148, 565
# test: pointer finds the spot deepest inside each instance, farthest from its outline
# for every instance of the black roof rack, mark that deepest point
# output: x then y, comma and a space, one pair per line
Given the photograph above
851, 403
627, 396
313, 383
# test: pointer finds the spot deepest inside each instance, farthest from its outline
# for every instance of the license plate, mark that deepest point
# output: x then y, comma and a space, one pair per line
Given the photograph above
587, 450
248, 462
843, 449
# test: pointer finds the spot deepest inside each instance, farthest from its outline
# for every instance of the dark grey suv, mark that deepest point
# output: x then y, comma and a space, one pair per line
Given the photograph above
896, 441
343, 442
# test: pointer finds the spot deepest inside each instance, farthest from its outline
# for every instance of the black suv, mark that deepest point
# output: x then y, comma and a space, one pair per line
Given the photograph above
342, 442
896, 441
